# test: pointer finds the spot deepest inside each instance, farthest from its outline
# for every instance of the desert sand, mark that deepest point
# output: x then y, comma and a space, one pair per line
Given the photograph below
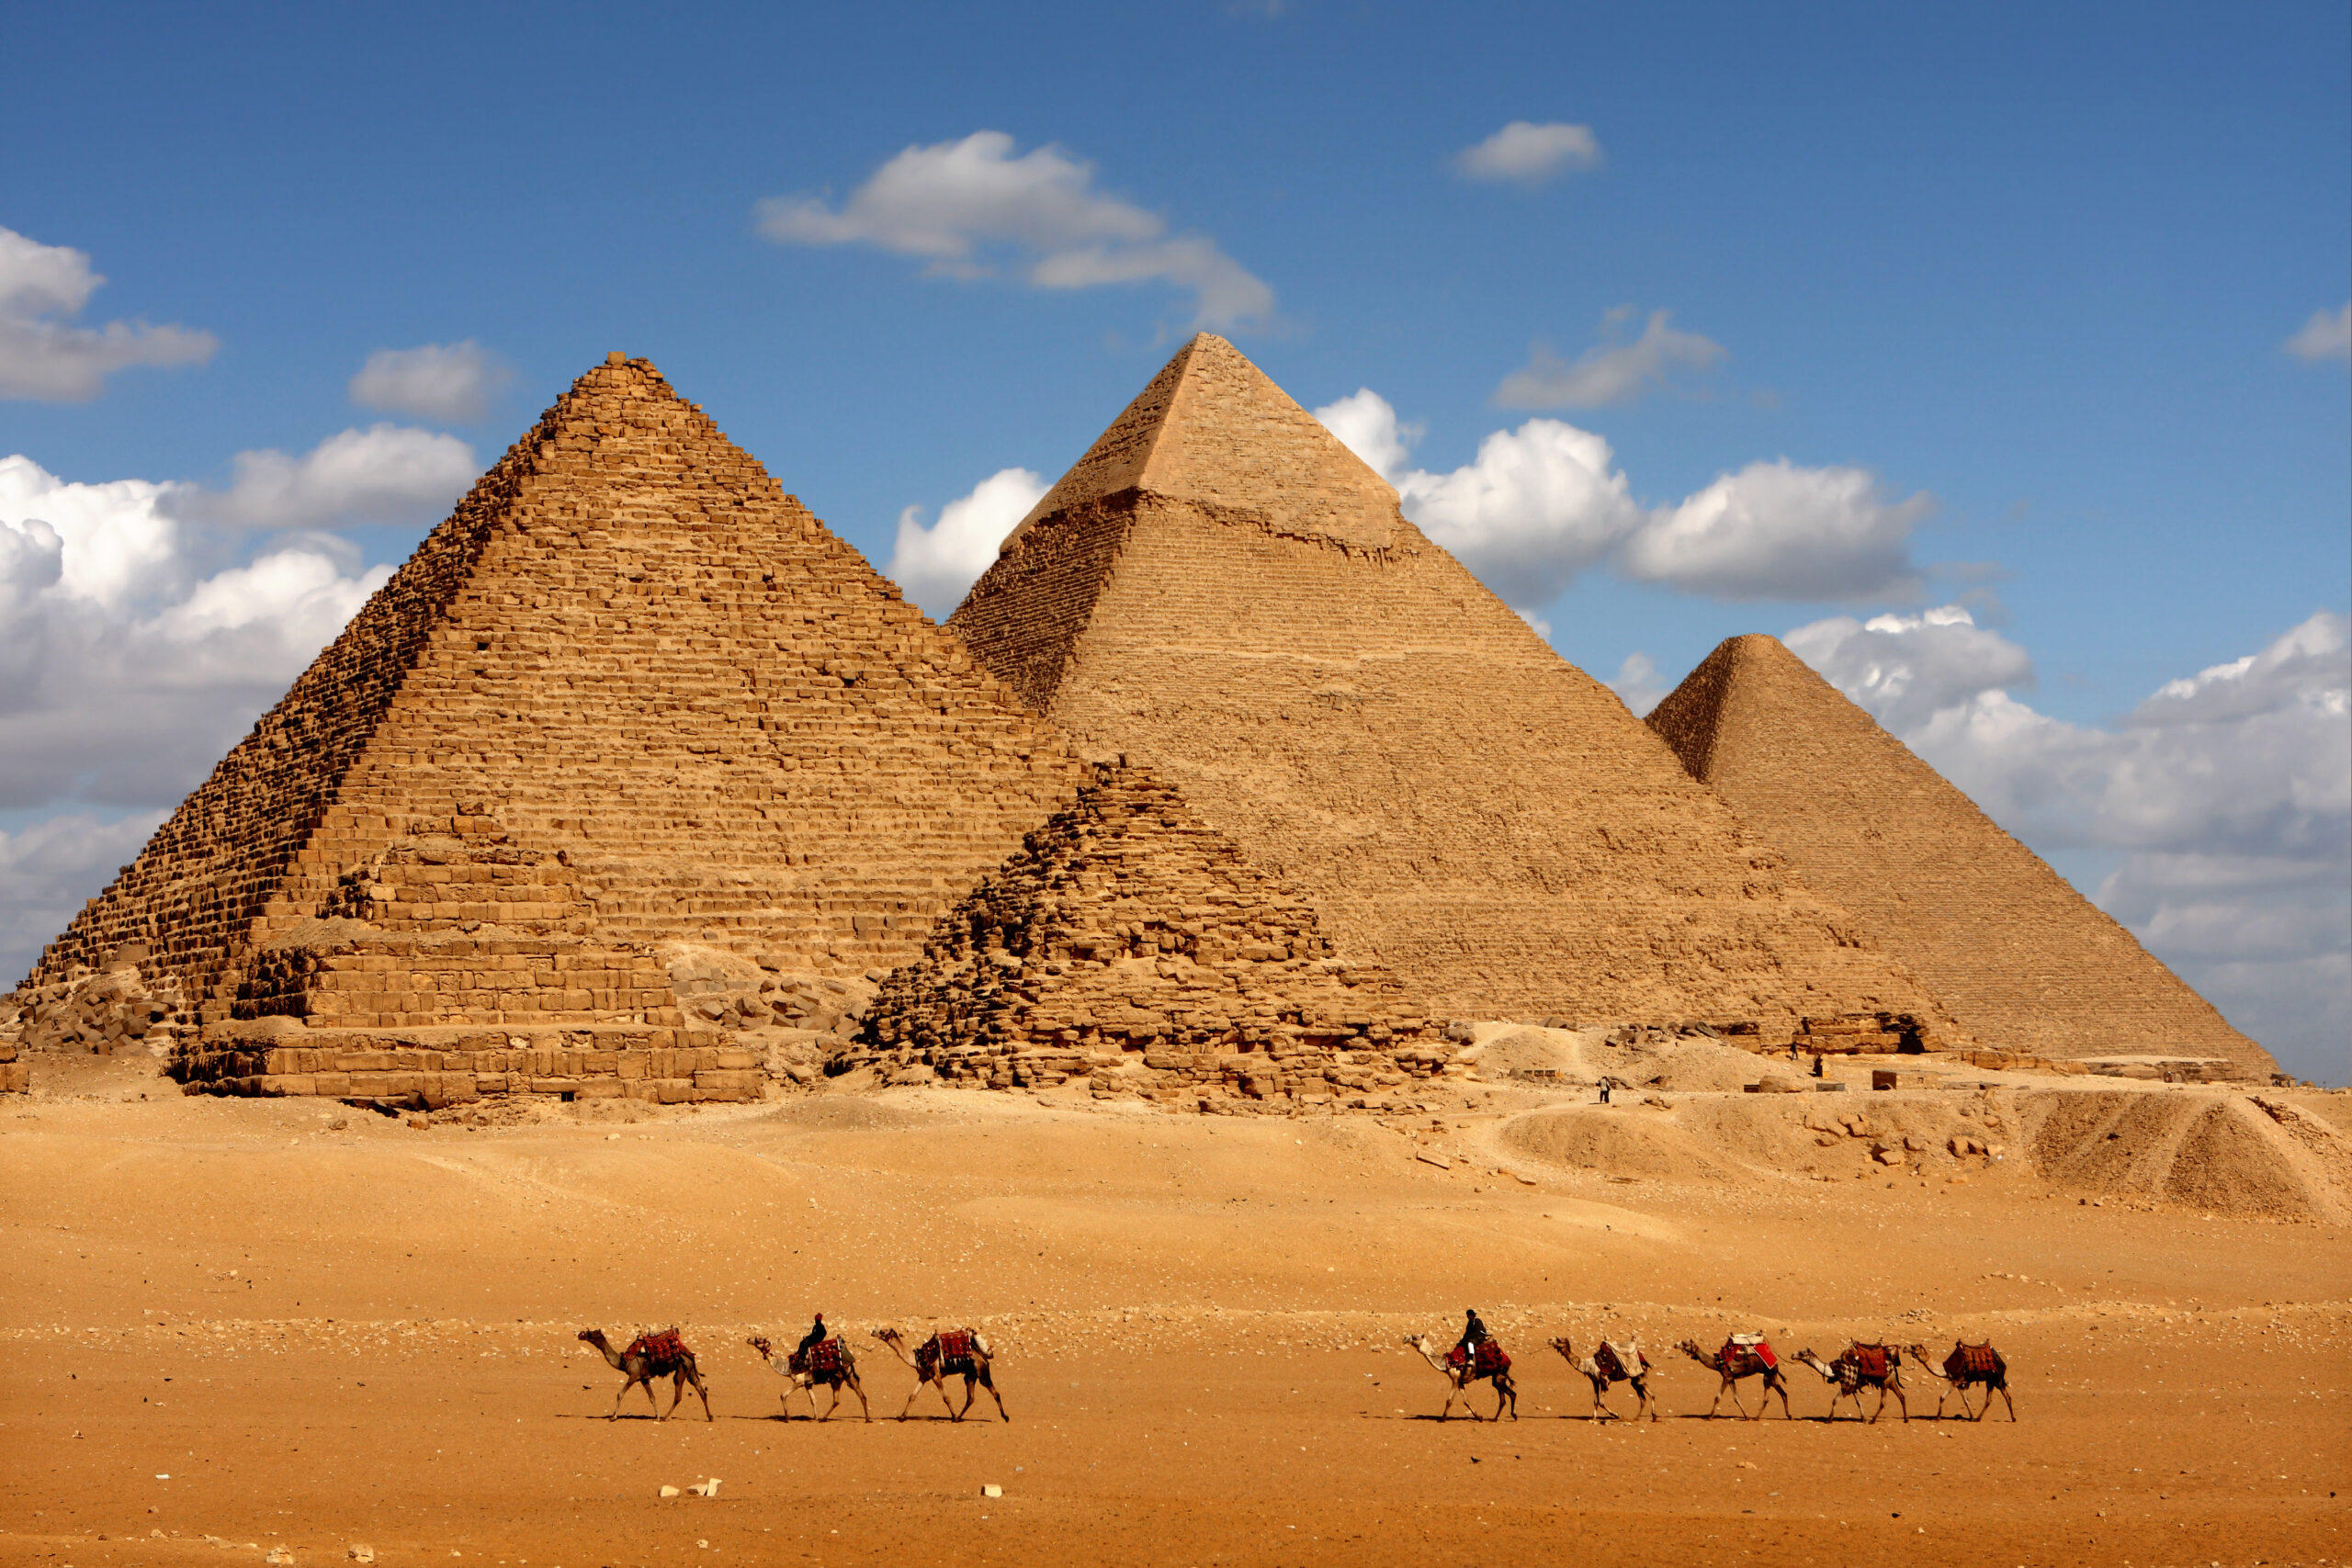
246, 1326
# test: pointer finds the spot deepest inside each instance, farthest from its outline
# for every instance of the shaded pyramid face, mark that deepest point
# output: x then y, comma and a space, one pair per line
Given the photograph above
1129, 941
629, 692
2022, 960
1223, 593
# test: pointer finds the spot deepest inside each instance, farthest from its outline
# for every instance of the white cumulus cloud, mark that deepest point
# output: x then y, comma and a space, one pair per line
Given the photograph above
2327, 336
1777, 531
387, 473
934, 566
135, 645
1638, 683
1546, 501
449, 382
1529, 153
2224, 798
44, 356
961, 205
1609, 372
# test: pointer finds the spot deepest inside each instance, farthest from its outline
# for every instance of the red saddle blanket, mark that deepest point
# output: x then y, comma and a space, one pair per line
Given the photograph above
1492, 1360
1613, 1366
955, 1344
1868, 1362
1758, 1354
1975, 1360
663, 1349
822, 1360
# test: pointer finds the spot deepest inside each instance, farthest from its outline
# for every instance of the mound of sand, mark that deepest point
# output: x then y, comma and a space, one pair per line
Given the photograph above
2246, 1155
1619, 1139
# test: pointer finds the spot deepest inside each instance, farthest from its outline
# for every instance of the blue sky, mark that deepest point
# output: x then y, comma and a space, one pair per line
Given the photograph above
2032, 270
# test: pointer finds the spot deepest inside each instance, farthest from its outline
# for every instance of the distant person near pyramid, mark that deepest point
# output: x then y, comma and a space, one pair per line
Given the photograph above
630, 700
1224, 594
2023, 961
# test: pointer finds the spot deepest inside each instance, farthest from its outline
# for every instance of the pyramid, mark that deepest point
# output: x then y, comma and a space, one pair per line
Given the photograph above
629, 696
2024, 962
1128, 942
1221, 593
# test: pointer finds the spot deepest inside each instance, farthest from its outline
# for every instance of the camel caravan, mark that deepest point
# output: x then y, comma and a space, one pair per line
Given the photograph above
825, 1360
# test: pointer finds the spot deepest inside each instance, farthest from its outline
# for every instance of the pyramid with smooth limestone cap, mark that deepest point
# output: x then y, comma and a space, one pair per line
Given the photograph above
2024, 962
629, 694
1224, 594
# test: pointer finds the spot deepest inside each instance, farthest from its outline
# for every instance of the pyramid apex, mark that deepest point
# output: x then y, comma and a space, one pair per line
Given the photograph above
1212, 428
615, 356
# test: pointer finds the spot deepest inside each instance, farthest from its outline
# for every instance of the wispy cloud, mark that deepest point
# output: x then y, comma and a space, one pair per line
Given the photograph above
1609, 372
43, 356
968, 208
2327, 336
452, 382
1528, 153
387, 473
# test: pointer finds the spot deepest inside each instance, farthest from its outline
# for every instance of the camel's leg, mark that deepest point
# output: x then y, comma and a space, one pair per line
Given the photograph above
987, 1381
1895, 1386
1506, 1389
617, 1401
971, 1391
704, 1395
1642, 1392
2012, 1404
910, 1400
1599, 1409
651, 1402
1781, 1384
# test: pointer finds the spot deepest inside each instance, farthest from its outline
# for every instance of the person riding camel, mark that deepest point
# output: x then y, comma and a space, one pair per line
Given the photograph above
1474, 1334
818, 1334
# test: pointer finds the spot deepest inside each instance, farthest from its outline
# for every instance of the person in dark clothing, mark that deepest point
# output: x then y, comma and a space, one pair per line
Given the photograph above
818, 1334
1474, 1334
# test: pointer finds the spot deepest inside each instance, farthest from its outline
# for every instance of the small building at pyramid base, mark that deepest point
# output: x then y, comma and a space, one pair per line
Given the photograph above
1128, 943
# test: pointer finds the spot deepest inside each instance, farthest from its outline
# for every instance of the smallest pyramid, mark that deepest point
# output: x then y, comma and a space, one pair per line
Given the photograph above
1129, 941
2021, 960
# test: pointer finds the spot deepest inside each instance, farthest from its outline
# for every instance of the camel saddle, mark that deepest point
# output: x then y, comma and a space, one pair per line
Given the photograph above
1741, 1349
1868, 1362
1974, 1360
664, 1351
822, 1360
949, 1351
1492, 1360
1619, 1363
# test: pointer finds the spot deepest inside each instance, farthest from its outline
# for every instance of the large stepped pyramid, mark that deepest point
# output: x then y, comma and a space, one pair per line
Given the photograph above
2022, 960
1221, 593
1128, 943
629, 693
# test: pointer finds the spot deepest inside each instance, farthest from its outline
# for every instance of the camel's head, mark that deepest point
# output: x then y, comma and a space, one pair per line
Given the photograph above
1563, 1347
762, 1346
1417, 1342
593, 1336
888, 1335
1691, 1347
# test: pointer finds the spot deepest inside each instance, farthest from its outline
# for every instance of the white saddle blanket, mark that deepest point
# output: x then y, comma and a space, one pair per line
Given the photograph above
1747, 1340
1629, 1356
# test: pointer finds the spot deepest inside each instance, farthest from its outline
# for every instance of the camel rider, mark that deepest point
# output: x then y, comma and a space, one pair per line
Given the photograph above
818, 1334
1474, 1334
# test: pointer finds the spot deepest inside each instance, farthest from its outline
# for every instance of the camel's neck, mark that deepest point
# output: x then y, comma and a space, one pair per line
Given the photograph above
900, 1351
611, 1356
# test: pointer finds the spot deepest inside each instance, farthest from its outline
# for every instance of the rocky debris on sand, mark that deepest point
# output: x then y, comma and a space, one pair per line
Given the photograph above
112, 1009
1129, 943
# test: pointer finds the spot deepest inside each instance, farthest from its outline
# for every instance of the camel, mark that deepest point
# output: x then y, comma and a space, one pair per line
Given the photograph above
1741, 1363
1627, 1365
1859, 1367
844, 1370
1959, 1375
964, 1354
650, 1357
1459, 1379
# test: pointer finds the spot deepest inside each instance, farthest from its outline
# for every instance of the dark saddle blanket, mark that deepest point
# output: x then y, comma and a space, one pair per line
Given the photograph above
819, 1360
948, 1352
1865, 1363
1975, 1362
1744, 1354
665, 1350
1492, 1360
